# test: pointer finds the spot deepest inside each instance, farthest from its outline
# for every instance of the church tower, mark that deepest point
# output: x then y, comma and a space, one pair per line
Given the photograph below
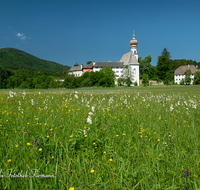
133, 44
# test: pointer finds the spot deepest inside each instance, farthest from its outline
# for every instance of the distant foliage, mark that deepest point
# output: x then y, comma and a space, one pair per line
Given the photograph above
165, 68
14, 59
197, 78
105, 78
29, 79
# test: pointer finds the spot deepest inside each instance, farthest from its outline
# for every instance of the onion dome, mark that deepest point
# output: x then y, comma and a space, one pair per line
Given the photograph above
133, 42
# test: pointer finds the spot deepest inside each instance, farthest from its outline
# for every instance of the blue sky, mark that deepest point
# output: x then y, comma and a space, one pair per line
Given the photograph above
77, 31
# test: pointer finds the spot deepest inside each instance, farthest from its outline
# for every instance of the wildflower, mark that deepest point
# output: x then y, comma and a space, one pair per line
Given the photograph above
29, 133
186, 174
110, 159
104, 152
92, 171
40, 149
94, 143
9, 160
71, 188
76, 96
158, 140
71, 136
28, 143
171, 107
124, 134
85, 135
16, 146
35, 142
89, 120
169, 135
47, 136
109, 125
117, 135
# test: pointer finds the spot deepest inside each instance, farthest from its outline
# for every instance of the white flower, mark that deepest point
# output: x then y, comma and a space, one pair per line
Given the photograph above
84, 132
76, 96
171, 107
93, 108
19, 103
194, 106
89, 120
90, 113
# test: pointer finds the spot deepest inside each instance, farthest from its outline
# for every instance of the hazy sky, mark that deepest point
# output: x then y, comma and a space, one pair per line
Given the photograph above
77, 31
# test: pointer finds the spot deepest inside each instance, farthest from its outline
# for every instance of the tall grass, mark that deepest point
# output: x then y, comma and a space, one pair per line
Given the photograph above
139, 139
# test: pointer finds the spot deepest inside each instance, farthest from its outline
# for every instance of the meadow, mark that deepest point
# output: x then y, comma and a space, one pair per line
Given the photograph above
103, 138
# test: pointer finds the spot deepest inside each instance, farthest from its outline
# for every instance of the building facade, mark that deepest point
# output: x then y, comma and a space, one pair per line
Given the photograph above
179, 73
128, 61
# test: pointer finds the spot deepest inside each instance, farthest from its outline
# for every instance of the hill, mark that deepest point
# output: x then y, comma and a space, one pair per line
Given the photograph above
15, 59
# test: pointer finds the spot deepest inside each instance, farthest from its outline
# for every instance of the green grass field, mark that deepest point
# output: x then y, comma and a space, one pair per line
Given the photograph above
100, 138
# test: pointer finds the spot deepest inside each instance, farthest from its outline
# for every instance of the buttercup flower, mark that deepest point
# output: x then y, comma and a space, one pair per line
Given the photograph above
92, 171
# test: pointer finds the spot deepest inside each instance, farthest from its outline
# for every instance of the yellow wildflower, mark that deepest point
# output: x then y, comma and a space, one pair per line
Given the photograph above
92, 171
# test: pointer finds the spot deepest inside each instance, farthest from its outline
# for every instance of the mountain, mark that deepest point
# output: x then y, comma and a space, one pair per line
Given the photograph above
15, 59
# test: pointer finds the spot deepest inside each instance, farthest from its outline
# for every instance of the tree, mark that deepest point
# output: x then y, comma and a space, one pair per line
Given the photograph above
145, 64
152, 73
166, 53
94, 78
169, 79
145, 79
187, 77
120, 81
70, 81
197, 77
89, 62
107, 77
162, 67
128, 76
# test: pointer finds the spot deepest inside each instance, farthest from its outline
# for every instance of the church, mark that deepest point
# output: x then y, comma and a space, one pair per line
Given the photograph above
128, 60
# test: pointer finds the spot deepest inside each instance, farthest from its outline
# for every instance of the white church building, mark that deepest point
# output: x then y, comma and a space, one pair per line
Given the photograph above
128, 60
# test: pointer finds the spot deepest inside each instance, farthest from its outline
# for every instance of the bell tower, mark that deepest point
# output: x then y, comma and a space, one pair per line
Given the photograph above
133, 44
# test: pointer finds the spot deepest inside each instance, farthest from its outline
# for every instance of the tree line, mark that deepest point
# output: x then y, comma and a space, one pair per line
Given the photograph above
165, 68
30, 79
163, 71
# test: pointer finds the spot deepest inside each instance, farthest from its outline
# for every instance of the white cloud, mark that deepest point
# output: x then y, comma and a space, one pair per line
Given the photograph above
21, 36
